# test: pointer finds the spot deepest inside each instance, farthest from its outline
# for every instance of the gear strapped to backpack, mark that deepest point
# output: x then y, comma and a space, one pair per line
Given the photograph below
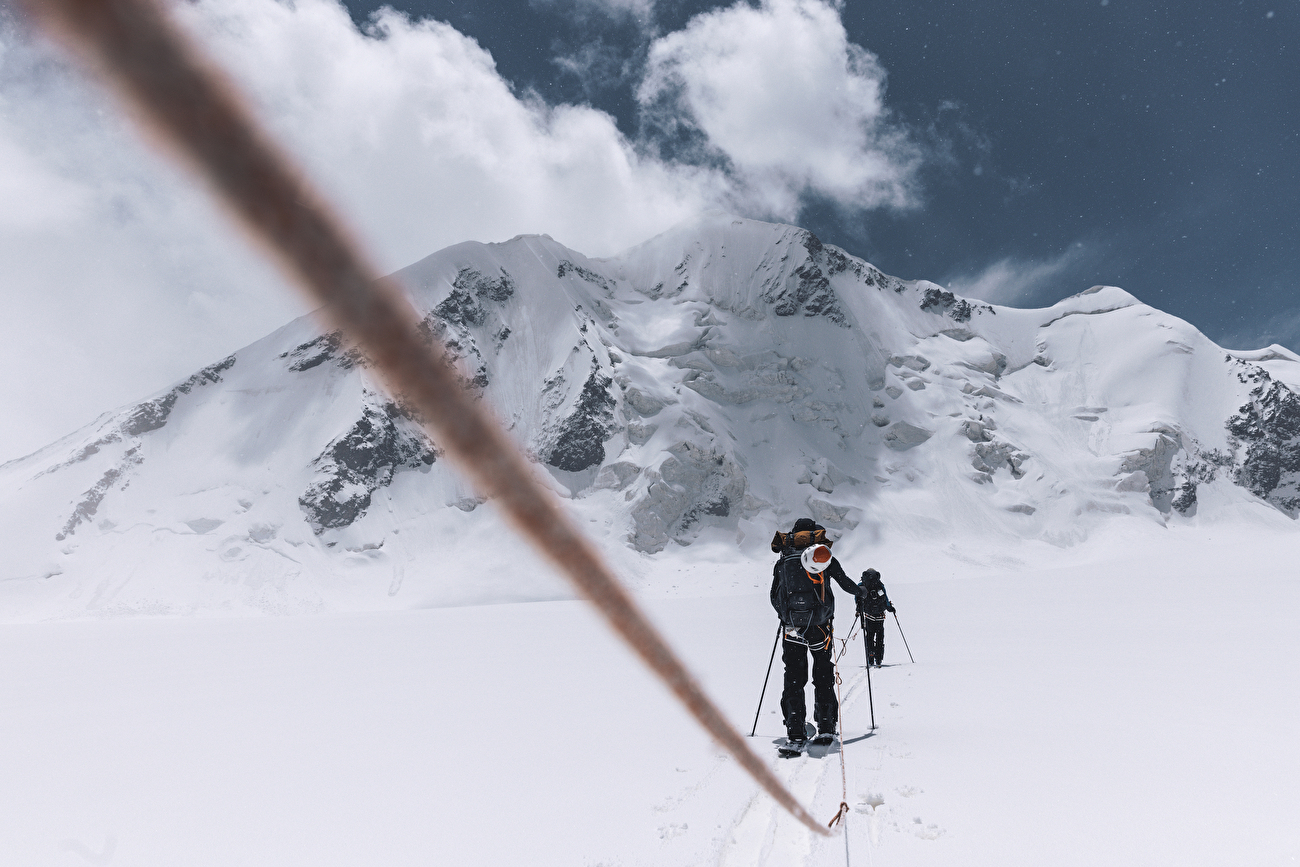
800, 539
801, 595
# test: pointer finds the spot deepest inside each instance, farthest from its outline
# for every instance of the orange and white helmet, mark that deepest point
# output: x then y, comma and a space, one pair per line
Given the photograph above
816, 558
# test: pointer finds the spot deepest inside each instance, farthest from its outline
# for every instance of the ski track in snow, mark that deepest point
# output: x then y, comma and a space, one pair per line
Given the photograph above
1061, 714
764, 834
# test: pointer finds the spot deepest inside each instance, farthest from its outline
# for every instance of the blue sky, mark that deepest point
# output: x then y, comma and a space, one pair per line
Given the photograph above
1017, 152
1148, 145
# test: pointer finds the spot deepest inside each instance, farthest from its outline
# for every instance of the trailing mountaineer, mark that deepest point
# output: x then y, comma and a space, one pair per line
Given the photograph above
873, 602
804, 602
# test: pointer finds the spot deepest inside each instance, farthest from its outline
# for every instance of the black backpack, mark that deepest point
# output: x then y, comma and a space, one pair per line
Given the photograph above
872, 599
802, 599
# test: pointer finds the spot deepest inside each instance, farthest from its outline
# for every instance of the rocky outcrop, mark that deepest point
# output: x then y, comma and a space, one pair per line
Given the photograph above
473, 304
807, 289
580, 440
313, 353
144, 418
606, 285
90, 500
1266, 432
380, 444
153, 414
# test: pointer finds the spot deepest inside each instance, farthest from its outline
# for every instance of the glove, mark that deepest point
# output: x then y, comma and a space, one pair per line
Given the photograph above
892, 609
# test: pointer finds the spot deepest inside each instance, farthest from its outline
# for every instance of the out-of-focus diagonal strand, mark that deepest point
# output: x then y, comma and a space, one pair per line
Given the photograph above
197, 114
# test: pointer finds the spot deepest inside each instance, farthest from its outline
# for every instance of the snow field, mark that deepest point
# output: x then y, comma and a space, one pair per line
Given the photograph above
1136, 708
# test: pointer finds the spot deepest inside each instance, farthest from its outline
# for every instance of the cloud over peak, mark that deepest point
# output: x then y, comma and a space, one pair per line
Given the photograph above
411, 128
792, 106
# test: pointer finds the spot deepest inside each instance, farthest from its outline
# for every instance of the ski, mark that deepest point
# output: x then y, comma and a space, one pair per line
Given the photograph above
791, 749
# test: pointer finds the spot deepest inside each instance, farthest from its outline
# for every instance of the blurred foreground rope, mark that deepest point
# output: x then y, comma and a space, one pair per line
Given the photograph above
192, 110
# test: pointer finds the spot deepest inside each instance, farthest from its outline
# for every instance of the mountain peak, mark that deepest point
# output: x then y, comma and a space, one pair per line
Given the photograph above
701, 388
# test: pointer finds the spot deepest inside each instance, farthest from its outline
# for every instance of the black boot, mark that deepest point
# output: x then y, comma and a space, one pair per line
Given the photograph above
826, 718
793, 712
796, 731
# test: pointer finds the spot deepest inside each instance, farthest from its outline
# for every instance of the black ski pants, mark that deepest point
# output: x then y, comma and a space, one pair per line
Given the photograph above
794, 653
874, 631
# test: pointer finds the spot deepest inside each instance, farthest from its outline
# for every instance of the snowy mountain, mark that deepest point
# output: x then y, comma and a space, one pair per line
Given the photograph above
700, 389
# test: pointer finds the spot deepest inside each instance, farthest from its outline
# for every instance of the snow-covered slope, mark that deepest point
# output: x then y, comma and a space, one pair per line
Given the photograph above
698, 390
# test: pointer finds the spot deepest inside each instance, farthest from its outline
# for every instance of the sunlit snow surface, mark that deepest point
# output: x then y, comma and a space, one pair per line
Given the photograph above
1133, 706
1073, 508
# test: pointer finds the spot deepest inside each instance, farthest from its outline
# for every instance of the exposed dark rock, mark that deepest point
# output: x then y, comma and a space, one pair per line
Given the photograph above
580, 442
461, 308
85, 452
471, 294
498, 289
469, 305
837, 262
379, 445
327, 347
942, 301
811, 294
1268, 427
567, 267
153, 414
808, 289
143, 418
1189, 473
90, 501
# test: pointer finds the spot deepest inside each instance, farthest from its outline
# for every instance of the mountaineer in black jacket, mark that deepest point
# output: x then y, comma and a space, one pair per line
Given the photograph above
803, 600
873, 602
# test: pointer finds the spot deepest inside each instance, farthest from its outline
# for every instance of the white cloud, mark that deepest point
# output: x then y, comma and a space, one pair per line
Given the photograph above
1012, 281
792, 104
413, 130
106, 254
121, 277
640, 10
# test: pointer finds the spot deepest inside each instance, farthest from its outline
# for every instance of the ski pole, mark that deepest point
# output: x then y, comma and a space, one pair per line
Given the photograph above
866, 646
765, 677
900, 632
